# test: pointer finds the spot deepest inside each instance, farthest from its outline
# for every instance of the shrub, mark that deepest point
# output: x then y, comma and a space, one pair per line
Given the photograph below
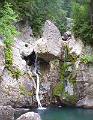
8, 31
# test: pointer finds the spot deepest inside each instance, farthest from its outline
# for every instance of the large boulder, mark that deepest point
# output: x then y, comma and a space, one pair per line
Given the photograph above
29, 116
6, 113
49, 46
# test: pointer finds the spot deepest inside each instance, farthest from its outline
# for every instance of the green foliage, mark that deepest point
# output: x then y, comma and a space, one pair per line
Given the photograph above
8, 31
58, 90
82, 27
8, 57
66, 6
63, 69
66, 75
87, 59
15, 72
71, 99
38, 11
70, 56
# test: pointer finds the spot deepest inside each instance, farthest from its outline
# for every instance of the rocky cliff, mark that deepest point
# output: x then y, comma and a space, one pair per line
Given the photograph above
65, 78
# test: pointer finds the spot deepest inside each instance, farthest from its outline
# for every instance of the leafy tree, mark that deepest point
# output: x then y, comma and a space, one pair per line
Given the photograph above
66, 6
8, 31
82, 26
38, 11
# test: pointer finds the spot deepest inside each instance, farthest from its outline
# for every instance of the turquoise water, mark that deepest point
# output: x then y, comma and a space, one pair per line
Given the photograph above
66, 114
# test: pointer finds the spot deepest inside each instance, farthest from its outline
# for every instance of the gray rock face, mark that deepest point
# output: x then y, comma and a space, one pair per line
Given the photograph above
18, 48
9, 89
85, 86
16, 93
84, 79
84, 73
21, 92
6, 113
49, 46
26, 32
29, 116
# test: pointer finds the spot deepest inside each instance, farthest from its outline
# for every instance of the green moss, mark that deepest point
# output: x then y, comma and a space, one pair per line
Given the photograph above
8, 57
58, 89
69, 62
24, 92
70, 56
16, 73
87, 59
29, 93
72, 79
72, 99
66, 73
63, 70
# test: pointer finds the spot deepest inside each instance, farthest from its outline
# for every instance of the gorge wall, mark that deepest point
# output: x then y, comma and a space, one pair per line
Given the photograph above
65, 77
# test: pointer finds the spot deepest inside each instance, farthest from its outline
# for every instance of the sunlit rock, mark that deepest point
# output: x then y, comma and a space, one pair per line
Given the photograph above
49, 46
29, 116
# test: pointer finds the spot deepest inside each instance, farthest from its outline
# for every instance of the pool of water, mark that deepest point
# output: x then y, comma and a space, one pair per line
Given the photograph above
65, 113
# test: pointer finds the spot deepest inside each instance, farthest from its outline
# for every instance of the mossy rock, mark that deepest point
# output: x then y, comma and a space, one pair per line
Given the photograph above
71, 99
15, 72
58, 89
23, 91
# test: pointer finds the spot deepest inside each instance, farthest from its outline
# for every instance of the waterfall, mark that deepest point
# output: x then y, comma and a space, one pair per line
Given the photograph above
37, 84
69, 88
37, 92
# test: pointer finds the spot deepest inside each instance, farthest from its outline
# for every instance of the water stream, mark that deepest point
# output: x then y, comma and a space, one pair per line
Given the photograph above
37, 84
37, 92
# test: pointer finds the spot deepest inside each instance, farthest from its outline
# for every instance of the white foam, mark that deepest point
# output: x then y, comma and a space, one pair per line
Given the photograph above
41, 108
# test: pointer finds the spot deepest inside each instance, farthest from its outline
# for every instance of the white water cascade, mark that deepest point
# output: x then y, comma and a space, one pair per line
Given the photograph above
37, 84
